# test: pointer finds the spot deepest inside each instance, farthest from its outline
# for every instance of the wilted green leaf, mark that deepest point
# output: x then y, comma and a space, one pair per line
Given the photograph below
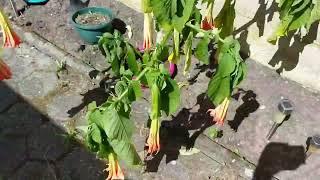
202, 51
315, 14
225, 18
135, 91
170, 97
126, 151
120, 87
132, 61
172, 13
188, 52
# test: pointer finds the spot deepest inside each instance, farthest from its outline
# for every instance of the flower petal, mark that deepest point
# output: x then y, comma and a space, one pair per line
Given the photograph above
5, 72
10, 38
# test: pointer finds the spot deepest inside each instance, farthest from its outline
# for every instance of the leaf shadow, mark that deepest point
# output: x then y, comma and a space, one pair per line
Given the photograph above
288, 53
250, 105
99, 95
181, 131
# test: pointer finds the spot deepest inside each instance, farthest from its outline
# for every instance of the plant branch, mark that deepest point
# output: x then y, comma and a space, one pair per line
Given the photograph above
138, 78
204, 31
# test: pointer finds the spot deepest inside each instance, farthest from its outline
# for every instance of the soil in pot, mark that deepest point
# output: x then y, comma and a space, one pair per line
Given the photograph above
91, 19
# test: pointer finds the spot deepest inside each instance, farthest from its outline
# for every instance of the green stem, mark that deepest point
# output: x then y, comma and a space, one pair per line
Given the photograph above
166, 37
138, 78
203, 31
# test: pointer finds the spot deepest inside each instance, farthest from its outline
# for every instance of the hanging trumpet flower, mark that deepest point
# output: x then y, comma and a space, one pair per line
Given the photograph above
220, 112
5, 72
10, 38
207, 21
114, 170
147, 25
153, 141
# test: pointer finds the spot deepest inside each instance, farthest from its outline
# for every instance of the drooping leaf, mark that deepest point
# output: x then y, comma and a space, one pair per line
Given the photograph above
202, 51
170, 96
126, 151
300, 20
176, 42
230, 72
223, 91
115, 123
120, 87
315, 14
188, 53
301, 7
172, 13
151, 76
294, 14
132, 61
95, 134
225, 18
134, 91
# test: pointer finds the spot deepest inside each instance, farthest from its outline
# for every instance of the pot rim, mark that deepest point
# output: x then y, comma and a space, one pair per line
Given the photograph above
107, 12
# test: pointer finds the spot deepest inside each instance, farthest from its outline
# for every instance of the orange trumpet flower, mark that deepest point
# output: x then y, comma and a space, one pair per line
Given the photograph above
207, 22
220, 112
10, 38
5, 72
114, 169
153, 141
147, 34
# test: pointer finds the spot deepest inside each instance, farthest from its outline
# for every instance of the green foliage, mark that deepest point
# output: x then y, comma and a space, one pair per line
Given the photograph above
146, 6
295, 14
188, 52
202, 51
110, 130
119, 53
170, 96
172, 14
225, 18
230, 72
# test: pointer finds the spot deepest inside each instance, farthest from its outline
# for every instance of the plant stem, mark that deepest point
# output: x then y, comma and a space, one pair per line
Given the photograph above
138, 78
166, 37
203, 31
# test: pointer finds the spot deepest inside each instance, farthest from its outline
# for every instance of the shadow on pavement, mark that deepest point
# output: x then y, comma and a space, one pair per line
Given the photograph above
278, 157
175, 133
33, 147
250, 105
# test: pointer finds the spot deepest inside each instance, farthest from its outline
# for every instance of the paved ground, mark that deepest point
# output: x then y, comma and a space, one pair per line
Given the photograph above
38, 109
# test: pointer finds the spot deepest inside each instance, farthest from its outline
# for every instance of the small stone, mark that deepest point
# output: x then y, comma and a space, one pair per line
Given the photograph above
173, 162
262, 107
248, 172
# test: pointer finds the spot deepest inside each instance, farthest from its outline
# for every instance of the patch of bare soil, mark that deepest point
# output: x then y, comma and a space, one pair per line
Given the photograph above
91, 19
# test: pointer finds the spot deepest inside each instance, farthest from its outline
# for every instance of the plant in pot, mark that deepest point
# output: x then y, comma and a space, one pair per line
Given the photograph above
92, 22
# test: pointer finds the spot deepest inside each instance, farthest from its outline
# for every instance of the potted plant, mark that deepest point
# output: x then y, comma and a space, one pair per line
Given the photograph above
92, 22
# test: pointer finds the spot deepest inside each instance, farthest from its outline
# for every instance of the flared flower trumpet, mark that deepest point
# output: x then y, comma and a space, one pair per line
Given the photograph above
10, 38
220, 112
5, 72
114, 169
148, 29
208, 23
153, 141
